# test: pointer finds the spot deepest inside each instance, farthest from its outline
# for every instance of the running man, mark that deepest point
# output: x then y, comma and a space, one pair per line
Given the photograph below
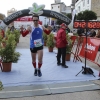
36, 42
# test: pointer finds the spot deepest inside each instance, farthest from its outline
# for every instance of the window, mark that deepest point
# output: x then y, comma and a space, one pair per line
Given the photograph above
76, 0
83, 3
58, 6
79, 8
87, 1
52, 7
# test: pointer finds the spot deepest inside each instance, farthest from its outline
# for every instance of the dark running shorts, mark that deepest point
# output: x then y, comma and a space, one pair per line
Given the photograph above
34, 50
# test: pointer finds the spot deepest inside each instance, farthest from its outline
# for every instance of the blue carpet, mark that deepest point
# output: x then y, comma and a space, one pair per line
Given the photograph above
23, 72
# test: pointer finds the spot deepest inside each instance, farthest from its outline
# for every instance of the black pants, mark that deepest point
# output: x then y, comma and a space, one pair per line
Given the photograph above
34, 50
61, 53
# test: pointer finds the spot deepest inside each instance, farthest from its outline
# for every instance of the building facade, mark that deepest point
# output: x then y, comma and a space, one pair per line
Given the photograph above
58, 6
82, 5
2, 16
11, 11
94, 5
73, 3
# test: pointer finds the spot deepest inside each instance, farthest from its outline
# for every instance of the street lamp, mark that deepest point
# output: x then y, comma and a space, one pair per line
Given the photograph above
72, 7
45, 20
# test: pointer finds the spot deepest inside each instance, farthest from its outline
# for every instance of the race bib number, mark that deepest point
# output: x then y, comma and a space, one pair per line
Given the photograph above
38, 43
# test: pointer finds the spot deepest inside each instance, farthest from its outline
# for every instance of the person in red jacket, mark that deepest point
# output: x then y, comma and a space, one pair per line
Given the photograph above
61, 45
36, 42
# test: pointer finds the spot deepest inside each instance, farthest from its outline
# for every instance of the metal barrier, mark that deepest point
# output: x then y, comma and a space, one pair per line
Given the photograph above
93, 44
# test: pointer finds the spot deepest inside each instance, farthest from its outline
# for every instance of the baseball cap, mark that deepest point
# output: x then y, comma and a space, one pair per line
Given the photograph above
63, 24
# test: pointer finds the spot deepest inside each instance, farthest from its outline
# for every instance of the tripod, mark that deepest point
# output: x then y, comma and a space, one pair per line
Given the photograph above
84, 68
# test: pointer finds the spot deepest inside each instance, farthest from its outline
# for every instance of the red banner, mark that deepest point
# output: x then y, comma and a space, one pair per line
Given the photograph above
92, 48
73, 38
27, 18
24, 19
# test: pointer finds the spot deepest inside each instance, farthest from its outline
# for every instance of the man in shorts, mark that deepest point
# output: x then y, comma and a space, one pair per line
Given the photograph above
36, 42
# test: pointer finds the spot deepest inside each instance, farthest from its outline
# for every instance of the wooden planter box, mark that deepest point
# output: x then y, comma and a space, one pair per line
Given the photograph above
68, 55
6, 67
44, 43
50, 49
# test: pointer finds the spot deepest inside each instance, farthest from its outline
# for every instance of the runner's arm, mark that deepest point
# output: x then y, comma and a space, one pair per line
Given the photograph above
24, 33
47, 30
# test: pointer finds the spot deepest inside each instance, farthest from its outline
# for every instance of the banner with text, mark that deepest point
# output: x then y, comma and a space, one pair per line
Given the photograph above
93, 45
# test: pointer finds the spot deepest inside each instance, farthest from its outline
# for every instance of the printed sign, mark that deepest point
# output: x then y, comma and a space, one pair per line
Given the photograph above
38, 43
92, 48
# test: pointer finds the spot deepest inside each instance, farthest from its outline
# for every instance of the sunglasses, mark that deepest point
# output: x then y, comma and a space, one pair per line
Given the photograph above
35, 20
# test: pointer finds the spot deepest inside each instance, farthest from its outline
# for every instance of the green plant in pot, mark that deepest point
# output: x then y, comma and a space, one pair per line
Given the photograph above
1, 86
50, 42
3, 42
45, 38
0, 39
8, 53
17, 35
68, 48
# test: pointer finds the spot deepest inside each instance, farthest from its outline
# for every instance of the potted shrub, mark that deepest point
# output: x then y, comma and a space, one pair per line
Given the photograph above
1, 86
45, 38
0, 38
3, 42
8, 54
50, 42
68, 48
17, 35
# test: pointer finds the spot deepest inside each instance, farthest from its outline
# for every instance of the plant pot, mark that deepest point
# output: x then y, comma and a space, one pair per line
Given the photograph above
6, 67
44, 43
68, 55
50, 49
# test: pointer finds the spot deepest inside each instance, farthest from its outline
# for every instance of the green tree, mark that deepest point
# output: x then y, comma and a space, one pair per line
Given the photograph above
86, 15
59, 22
89, 15
69, 15
79, 16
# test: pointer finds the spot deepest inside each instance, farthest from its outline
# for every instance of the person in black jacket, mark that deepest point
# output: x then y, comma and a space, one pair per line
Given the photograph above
80, 31
92, 33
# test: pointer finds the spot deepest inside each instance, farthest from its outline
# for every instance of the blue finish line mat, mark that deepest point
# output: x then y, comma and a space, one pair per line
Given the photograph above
22, 73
